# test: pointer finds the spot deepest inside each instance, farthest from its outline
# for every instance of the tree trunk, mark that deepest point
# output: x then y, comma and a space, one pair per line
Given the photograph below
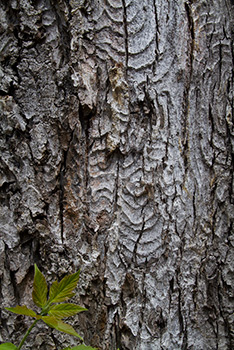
117, 142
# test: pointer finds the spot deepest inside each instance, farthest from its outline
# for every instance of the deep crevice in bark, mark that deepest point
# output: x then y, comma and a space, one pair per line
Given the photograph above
62, 179
186, 136
156, 34
85, 116
125, 23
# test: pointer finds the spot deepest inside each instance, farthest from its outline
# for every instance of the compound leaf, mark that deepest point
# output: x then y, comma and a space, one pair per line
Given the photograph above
23, 310
63, 290
40, 288
8, 346
65, 310
56, 323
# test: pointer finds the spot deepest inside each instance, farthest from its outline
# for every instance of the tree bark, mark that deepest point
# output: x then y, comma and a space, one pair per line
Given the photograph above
117, 142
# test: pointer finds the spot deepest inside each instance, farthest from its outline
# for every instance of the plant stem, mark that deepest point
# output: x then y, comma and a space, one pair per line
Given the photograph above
26, 334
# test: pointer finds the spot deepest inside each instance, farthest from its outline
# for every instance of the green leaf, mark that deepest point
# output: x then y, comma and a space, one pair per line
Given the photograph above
56, 323
8, 346
65, 310
40, 288
23, 310
63, 290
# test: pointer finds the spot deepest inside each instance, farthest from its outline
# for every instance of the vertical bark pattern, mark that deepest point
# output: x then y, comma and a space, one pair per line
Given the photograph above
117, 158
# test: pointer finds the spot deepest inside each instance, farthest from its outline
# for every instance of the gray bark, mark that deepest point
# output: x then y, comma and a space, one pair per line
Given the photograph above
117, 158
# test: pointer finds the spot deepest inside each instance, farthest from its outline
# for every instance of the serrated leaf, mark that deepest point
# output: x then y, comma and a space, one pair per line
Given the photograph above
63, 290
40, 288
8, 346
23, 310
61, 326
65, 310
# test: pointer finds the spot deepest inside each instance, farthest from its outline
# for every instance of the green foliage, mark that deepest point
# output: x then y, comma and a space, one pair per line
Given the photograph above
65, 310
23, 310
56, 323
8, 346
63, 290
40, 288
51, 313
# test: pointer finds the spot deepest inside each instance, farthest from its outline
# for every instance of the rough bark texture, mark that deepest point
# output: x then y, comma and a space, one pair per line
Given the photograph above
117, 142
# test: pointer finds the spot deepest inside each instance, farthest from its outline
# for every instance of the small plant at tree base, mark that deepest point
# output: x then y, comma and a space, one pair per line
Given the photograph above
51, 313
